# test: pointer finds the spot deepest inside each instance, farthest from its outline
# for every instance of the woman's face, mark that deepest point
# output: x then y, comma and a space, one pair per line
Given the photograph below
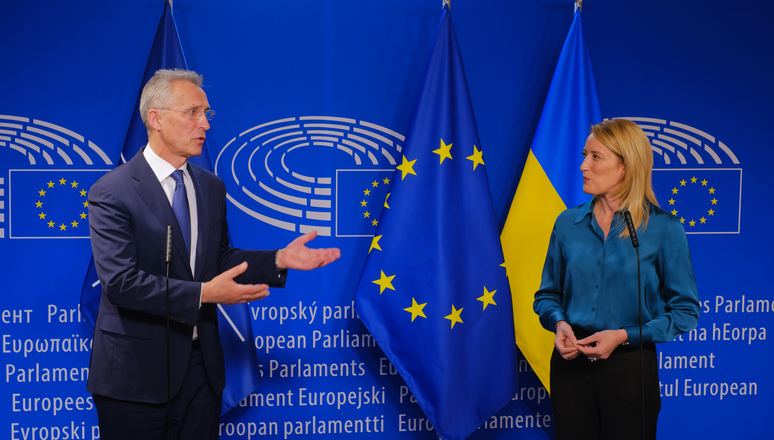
602, 171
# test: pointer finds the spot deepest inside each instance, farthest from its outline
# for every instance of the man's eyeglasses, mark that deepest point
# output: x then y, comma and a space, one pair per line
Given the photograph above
194, 113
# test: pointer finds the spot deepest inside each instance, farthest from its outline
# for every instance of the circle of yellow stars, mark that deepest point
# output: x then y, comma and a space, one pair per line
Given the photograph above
364, 202
385, 282
711, 192
52, 186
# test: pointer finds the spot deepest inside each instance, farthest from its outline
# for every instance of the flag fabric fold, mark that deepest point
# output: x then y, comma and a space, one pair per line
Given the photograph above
242, 366
550, 183
433, 291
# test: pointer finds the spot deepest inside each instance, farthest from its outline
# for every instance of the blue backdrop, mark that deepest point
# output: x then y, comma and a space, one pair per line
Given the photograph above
695, 74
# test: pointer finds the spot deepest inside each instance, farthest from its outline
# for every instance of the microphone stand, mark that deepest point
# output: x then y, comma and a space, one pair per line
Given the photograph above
166, 313
636, 245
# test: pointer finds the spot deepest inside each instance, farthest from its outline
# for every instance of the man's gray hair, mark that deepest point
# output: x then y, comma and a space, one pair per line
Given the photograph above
157, 93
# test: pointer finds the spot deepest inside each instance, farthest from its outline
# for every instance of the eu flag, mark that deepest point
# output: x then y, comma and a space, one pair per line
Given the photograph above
706, 200
236, 333
50, 203
360, 198
433, 291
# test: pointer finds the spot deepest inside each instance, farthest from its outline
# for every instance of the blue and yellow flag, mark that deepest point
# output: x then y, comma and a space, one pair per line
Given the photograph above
433, 292
236, 333
550, 183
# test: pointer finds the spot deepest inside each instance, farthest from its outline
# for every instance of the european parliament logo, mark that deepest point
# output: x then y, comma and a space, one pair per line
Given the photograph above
328, 174
50, 203
365, 192
44, 194
696, 177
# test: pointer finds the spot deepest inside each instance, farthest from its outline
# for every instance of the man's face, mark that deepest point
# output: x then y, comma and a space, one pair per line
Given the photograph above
181, 137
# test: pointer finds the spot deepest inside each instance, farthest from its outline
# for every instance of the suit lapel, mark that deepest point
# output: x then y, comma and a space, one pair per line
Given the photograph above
202, 216
149, 189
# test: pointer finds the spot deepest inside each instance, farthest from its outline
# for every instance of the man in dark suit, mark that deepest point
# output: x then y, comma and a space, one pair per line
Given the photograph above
130, 209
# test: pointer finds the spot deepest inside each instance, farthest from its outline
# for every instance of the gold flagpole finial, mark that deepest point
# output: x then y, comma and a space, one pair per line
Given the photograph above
447, 3
579, 5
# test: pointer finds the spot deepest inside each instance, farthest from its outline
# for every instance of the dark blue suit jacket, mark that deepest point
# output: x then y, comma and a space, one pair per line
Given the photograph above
128, 218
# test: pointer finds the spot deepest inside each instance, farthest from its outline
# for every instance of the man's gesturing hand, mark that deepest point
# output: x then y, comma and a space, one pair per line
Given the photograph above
297, 256
224, 290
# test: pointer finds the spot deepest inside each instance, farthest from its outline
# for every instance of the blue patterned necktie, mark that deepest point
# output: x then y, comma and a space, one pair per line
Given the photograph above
180, 206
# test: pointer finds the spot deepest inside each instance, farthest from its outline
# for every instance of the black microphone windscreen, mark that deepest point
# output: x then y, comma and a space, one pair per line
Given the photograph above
169, 244
630, 226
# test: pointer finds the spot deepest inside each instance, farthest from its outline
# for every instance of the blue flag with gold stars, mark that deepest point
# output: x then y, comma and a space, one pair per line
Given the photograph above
50, 203
707, 201
433, 291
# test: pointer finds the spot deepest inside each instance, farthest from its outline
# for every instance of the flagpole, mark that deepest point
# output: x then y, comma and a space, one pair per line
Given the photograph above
446, 3
578, 5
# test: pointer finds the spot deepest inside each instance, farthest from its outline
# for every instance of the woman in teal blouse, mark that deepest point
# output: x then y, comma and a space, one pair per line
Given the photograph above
588, 295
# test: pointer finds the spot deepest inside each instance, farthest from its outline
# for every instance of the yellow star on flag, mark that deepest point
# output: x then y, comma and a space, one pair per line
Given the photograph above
375, 244
384, 282
477, 157
444, 151
487, 298
416, 309
407, 167
454, 317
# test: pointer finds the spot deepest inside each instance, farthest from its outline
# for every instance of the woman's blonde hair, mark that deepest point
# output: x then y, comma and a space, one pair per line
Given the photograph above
630, 144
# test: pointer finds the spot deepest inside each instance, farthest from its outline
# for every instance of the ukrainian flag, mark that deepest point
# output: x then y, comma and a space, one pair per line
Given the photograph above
550, 183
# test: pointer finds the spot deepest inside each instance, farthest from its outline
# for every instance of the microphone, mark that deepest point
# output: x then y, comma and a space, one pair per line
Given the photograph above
629, 225
169, 244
